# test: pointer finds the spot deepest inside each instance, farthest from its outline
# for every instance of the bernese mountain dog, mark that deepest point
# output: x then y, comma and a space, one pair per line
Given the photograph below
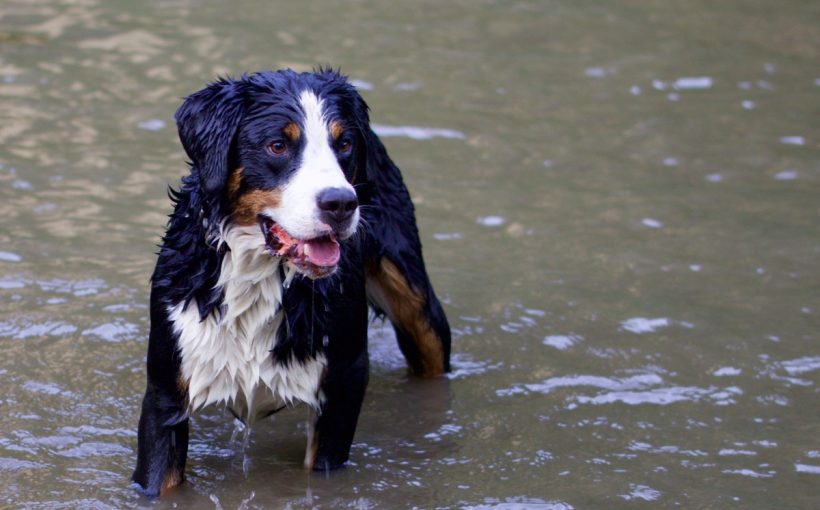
292, 220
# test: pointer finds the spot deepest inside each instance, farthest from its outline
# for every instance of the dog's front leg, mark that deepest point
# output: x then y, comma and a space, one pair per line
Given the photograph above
331, 432
162, 442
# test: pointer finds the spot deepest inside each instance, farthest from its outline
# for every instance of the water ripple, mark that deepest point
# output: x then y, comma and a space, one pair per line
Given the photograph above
10, 464
801, 365
807, 468
519, 503
642, 492
635, 390
416, 132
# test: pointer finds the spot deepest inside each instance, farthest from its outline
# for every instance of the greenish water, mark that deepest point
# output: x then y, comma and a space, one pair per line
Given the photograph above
619, 203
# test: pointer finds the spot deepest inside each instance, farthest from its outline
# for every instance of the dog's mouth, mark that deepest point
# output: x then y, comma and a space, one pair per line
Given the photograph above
315, 258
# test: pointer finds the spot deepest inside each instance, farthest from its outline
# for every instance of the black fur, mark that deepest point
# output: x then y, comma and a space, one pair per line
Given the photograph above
221, 128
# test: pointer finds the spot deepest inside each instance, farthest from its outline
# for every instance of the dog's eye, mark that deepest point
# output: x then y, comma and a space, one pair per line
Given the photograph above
345, 146
278, 147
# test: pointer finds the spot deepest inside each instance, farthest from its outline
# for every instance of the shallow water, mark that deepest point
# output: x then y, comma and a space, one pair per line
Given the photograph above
619, 208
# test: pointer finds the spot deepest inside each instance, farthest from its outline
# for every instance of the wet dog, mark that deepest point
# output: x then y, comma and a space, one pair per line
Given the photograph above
292, 220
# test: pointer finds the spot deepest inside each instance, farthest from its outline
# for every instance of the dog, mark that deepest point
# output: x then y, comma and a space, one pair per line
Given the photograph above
291, 223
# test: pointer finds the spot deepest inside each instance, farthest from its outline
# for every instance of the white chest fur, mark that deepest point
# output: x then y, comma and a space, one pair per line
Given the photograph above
226, 358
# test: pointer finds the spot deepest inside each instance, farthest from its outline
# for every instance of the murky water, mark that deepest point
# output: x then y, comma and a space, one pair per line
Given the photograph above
620, 206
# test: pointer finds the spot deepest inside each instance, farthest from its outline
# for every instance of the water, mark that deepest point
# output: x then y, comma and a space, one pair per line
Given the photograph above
619, 207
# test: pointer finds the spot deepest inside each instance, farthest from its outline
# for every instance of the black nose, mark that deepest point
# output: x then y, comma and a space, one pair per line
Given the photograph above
336, 206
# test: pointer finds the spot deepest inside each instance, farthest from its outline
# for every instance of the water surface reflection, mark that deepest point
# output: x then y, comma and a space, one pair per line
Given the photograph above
618, 205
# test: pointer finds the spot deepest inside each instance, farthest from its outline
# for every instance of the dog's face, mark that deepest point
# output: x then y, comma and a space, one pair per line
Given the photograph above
282, 151
294, 149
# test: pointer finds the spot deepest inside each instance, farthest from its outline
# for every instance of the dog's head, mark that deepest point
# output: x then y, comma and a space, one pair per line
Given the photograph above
281, 151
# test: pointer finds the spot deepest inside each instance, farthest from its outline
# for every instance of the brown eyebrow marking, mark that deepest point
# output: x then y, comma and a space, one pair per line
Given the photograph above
292, 131
336, 129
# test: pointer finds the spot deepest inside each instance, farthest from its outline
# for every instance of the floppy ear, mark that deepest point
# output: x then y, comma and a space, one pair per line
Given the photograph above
207, 123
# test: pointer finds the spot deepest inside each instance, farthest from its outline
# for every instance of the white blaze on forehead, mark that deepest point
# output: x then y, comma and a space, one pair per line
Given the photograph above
318, 158
315, 123
319, 169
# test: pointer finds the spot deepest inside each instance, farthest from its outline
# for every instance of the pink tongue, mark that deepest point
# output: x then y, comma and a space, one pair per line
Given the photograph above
323, 252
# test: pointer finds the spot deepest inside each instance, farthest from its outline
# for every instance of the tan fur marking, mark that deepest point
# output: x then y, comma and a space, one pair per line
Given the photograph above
292, 131
406, 310
248, 206
171, 480
312, 441
336, 129
182, 384
234, 181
